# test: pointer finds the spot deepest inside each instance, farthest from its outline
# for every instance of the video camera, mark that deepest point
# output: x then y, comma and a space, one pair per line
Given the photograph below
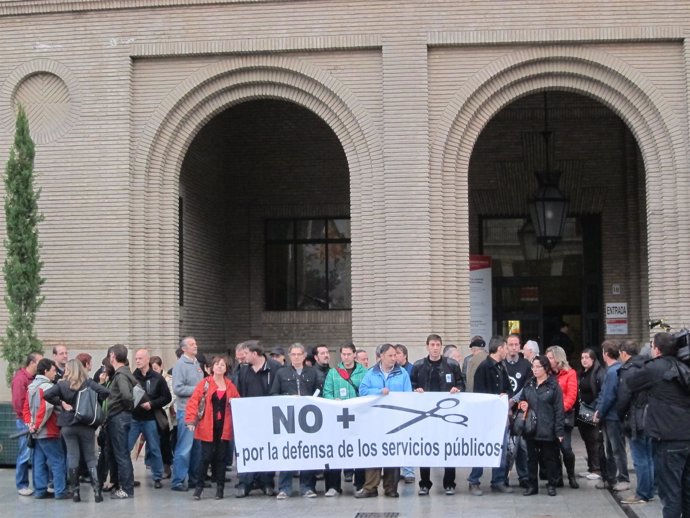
681, 339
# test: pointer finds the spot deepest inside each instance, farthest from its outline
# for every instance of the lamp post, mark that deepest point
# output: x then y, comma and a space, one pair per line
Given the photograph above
548, 208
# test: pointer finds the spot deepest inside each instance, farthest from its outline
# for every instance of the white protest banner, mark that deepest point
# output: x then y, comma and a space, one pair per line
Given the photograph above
281, 433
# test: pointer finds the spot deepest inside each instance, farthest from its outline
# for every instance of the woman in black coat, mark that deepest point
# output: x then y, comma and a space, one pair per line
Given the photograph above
590, 382
542, 395
79, 438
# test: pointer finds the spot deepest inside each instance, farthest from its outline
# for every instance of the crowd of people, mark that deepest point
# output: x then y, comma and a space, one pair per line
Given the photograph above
182, 417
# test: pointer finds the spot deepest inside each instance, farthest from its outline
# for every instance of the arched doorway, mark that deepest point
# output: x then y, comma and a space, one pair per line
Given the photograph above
603, 247
265, 229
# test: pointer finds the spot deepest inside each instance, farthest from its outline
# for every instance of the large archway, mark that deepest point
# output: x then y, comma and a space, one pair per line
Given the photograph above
590, 72
158, 159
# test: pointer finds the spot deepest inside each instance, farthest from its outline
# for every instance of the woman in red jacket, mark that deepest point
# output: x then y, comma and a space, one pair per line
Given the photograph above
567, 379
210, 418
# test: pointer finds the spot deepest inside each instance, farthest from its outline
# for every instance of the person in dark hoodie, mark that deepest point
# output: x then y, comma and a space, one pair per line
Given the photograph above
631, 408
120, 404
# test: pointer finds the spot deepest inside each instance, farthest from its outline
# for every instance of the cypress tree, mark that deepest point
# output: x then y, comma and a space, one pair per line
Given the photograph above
23, 264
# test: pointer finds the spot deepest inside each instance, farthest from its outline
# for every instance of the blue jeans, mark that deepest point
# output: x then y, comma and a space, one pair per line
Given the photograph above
187, 455
118, 431
616, 456
153, 446
498, 475
672, 470
643, 459
23, 458
307, 481
49, 457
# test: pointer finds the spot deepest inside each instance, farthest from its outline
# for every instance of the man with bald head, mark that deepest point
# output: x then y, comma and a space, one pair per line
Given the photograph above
144, 415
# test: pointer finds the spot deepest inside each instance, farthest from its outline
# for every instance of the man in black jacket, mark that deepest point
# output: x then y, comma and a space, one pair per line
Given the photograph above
491, 378
296, 379
667, 422
254, 379
435, 374
631, 408
519, 371
144, 415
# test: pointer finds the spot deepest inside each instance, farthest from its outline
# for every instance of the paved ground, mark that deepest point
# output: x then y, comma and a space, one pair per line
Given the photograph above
151, 502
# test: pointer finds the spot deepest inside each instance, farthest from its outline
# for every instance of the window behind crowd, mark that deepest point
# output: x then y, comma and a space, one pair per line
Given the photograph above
308, 264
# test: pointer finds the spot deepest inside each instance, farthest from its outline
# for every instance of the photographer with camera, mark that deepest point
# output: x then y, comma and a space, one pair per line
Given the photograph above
667, 423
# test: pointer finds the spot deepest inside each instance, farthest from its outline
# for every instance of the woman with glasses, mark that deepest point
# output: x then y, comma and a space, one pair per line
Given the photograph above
542, 395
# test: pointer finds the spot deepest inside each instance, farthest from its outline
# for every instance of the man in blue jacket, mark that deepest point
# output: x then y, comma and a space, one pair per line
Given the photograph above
383, 378
616, 458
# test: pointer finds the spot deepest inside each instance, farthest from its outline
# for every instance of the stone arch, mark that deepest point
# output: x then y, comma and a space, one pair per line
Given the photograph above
163, 144
581, 70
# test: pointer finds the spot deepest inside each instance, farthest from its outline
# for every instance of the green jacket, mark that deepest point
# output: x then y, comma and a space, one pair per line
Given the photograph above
332, 387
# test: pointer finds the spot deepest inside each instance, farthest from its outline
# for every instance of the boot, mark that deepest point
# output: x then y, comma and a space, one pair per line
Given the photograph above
197, 492
573, 483
95, 484
74, 484
219, 491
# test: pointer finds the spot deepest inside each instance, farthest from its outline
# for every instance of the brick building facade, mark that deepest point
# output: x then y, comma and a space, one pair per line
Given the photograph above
163, 122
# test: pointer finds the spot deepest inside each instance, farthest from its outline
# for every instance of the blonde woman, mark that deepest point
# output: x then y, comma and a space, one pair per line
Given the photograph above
567, 379
78, 437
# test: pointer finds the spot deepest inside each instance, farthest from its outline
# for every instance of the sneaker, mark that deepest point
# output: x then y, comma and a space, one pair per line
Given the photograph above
50, 489
157, 484
602, 484
43, 496
633, 500
119, 494
409, 479
475, 490
348, 477
621, 486
449, 490
282, 496
331, 492
423, 491
309, 494
269, 491
592, 476
181, 488
25, 491
363, 493
241, 492
502, 488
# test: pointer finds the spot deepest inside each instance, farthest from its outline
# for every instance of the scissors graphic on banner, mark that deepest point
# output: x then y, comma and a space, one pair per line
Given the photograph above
446, 403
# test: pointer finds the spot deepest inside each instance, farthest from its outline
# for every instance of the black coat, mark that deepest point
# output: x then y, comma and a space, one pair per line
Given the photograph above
547, 401
631, 406
492, 378
450, 375
157, 393
668, 412
289, 383
61, 392
267, 374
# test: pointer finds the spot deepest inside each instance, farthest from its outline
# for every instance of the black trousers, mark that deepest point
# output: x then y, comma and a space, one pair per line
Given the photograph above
425, 477
546, 453
594, 443
213, 454
332, 479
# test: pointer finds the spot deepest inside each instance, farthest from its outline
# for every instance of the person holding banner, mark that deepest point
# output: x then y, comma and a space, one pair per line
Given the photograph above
384, 377
491, 377
296, 379
343, 382
254, 379
543, 395
436, 374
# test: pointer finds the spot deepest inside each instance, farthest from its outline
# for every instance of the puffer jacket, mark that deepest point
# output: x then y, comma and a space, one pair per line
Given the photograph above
547, 401
374, 381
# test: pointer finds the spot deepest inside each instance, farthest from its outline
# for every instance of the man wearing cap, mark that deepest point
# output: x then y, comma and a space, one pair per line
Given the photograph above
477, 356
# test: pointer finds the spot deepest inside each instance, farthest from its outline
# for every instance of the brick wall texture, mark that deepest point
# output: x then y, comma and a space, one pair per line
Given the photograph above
402, 115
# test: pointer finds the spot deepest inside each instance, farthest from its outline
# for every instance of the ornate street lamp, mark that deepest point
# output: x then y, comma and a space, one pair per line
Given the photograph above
548, 208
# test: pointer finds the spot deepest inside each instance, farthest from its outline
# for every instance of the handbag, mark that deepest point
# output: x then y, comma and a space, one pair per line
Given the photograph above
569, 421
201, 409
525, 424
87, 409
585, 413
